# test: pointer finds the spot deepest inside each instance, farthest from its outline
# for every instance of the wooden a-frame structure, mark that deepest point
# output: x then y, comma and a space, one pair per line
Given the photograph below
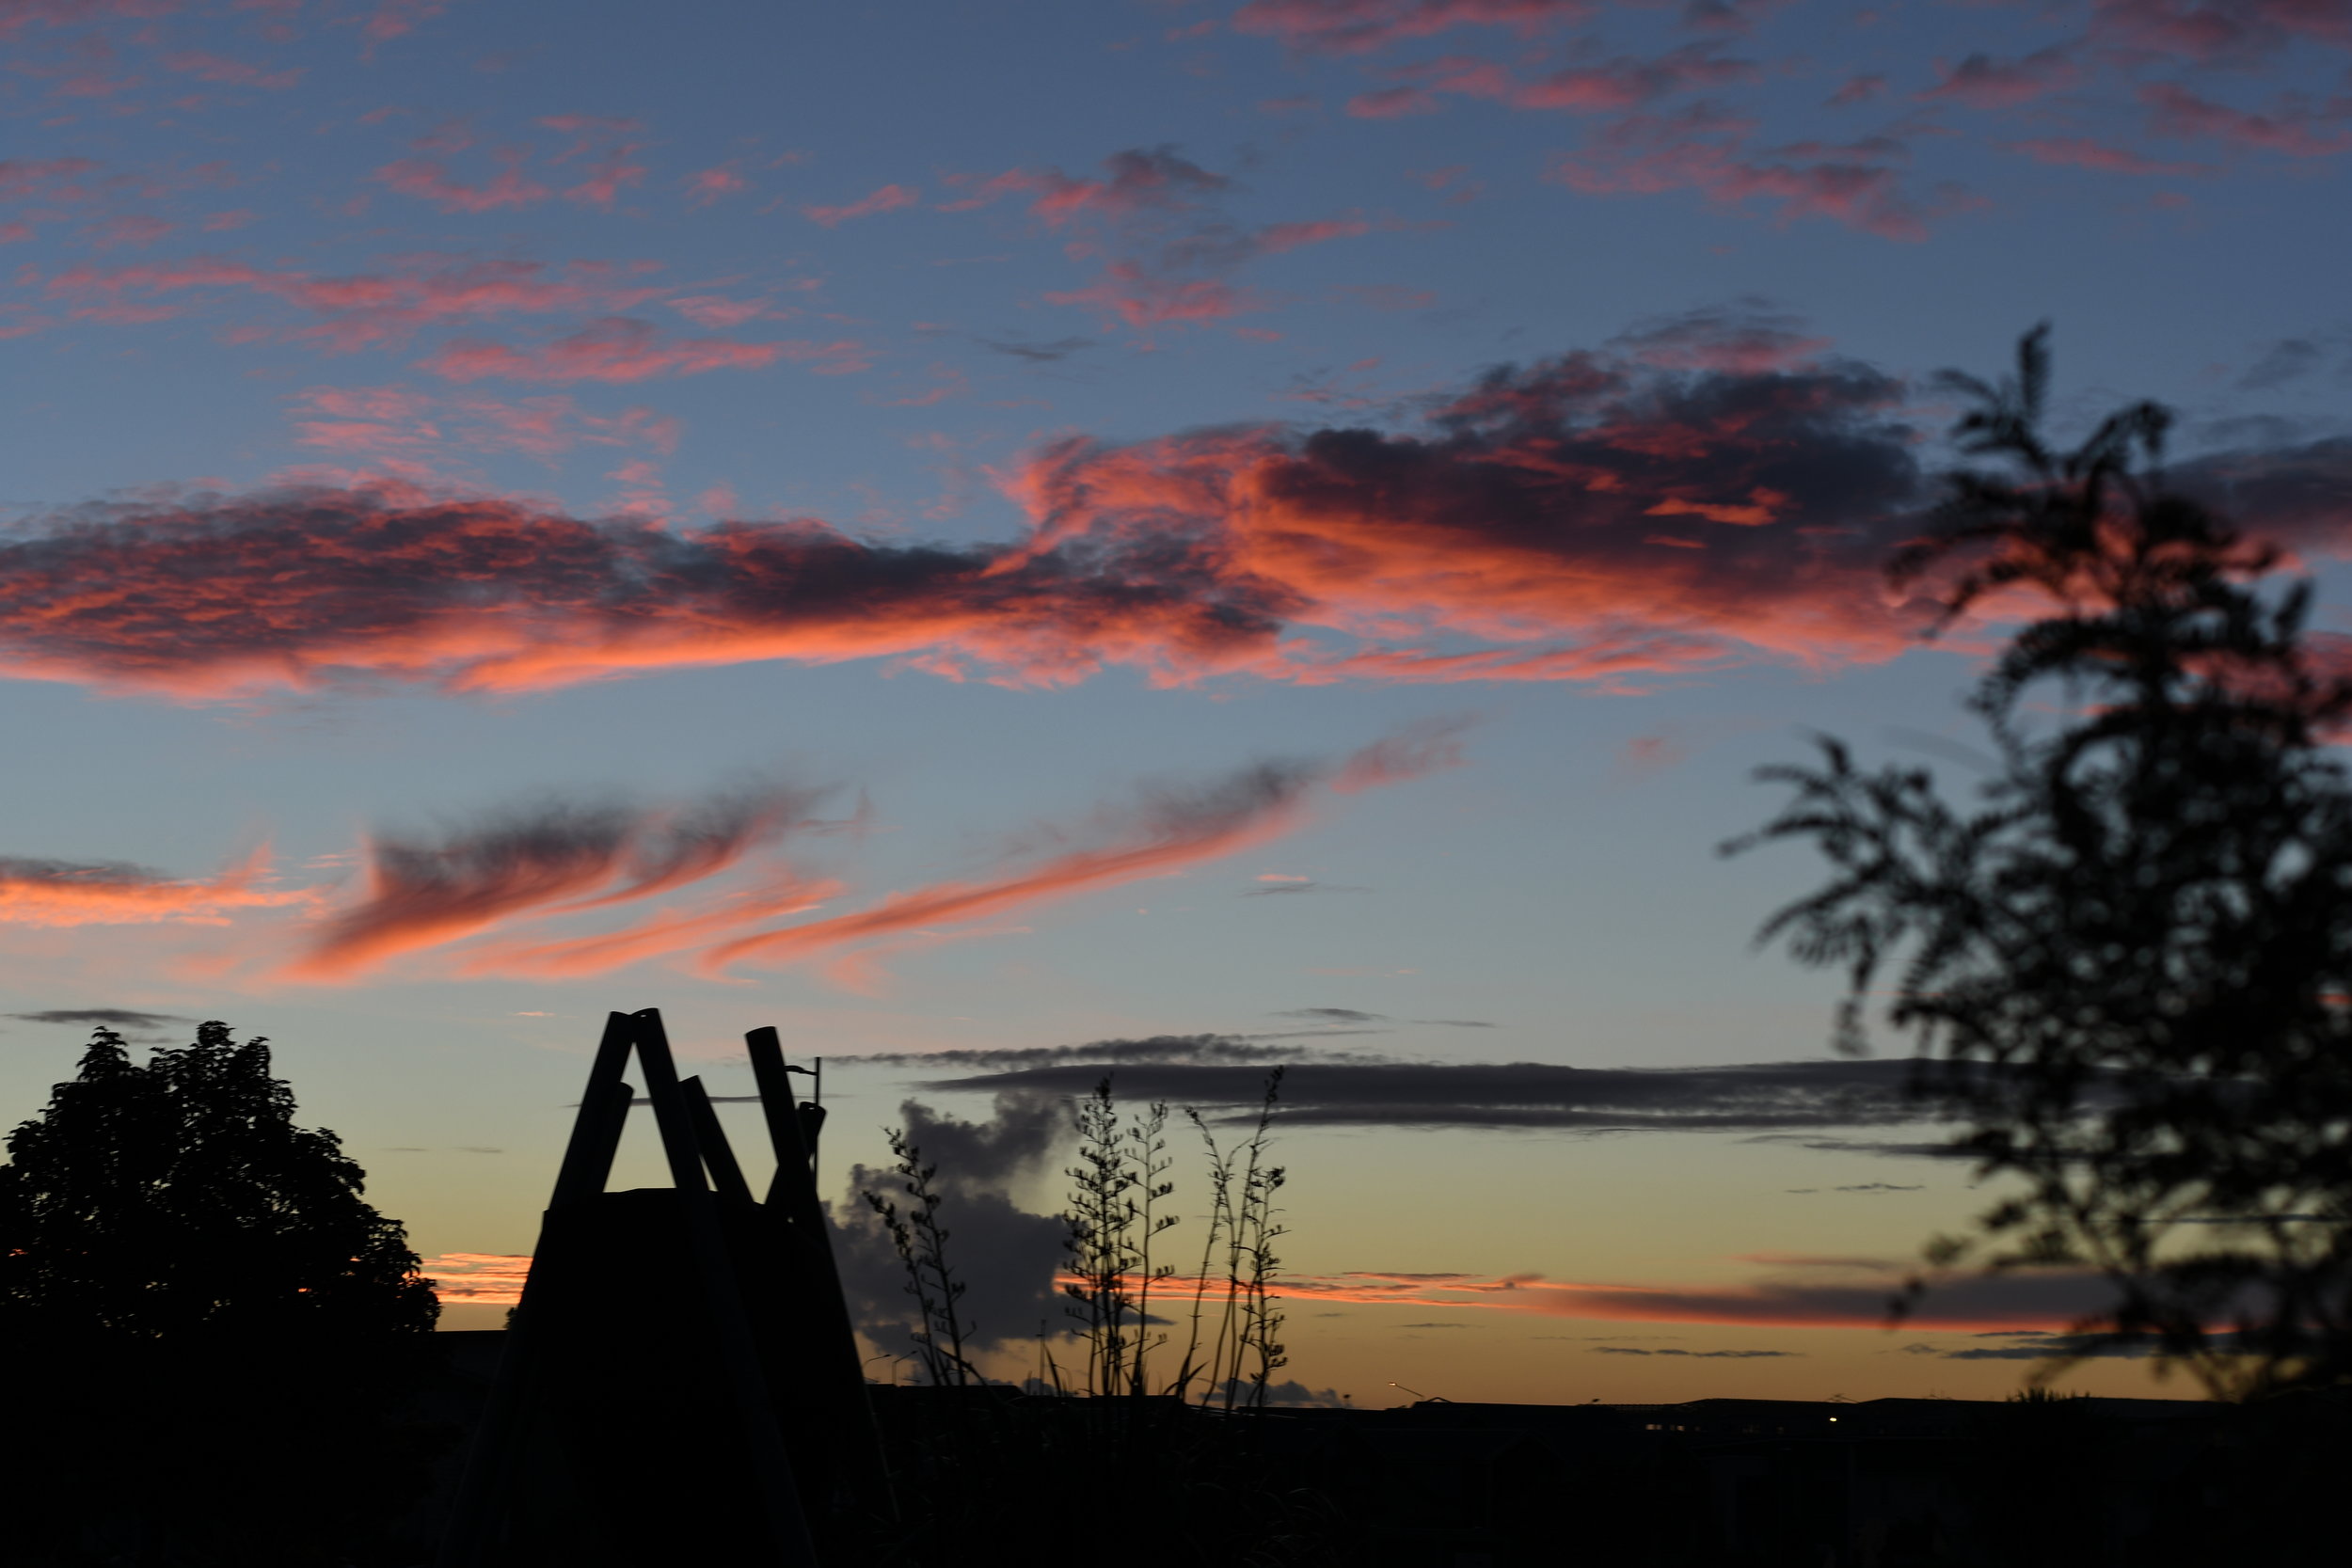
680, 1382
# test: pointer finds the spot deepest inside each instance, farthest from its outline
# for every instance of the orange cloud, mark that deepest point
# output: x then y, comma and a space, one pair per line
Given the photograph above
477, 1278
654, 937
1804, 1293
56, 892
1711, 492
556, 858
1175, 828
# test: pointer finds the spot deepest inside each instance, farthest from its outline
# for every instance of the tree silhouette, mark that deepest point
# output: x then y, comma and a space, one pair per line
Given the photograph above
180, 1200
2128, 967
192, 1286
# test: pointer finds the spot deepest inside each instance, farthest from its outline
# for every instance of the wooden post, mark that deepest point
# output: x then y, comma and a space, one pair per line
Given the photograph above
561, 1347
792, 1198
737, 1353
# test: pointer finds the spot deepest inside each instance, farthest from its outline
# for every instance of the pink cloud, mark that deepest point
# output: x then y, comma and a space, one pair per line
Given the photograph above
1392, 103
889, 199
1276, 238
392, 18
2214, 30
592, 125
616, 349
93, 84
710, 184
2293, 131
235, 218
23, 177
607, 176
1168, 250
2082, 152
216, 68
1141, 299
18, 14
126, 315
1746, 338
370, 309
134, 231
429, 181
1136, 180
1359, 27
1861, 88
718, 312
1982, 82
1853, 186
1624, 83
419, 428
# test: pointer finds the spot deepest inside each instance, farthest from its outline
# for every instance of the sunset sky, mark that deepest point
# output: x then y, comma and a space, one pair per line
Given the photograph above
1278, 532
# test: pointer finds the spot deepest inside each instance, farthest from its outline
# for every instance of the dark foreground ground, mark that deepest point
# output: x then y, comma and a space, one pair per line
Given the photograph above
979, 1477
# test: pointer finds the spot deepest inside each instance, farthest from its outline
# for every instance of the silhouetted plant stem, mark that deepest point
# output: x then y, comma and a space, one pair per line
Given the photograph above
1146, 1138
921, 1243
1219, 1222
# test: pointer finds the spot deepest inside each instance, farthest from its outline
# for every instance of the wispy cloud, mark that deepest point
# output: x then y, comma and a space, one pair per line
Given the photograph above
48, 893
530, 861
1172, 829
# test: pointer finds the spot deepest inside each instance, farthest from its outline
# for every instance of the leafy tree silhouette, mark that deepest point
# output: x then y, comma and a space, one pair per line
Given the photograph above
193, 1284
2128, 969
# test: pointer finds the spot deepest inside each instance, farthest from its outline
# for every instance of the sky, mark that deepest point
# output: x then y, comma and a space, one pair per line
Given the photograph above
1003, 538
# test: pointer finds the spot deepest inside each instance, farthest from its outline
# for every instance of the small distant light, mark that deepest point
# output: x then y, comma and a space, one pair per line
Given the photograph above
1833, 1420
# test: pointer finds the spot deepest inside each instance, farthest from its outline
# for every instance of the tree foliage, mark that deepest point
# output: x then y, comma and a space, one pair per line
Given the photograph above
193, 1288
179, 1199
2127, 966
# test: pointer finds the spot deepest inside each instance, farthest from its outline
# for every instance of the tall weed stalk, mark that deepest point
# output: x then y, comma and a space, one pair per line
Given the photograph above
921, 1242
1233, 1350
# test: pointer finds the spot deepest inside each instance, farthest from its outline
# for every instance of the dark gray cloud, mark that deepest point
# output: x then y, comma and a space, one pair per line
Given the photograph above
1350, 1015
119, 1018
1700, 1355
1267, 889
2294, 494
2288, 359
1891, 1148
1752, 1098
1238, 1049
1037, 354
1862, 1187
2024, 1346
1004, 1256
